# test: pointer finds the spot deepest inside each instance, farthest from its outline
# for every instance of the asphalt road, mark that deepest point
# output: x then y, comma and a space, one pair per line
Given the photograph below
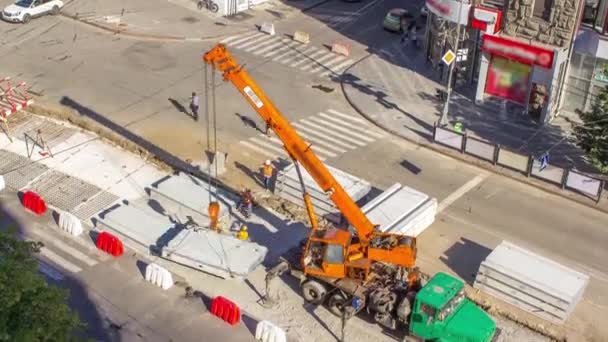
132, 83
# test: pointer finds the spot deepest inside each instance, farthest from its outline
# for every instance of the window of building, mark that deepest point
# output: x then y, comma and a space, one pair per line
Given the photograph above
542, 8
595, 13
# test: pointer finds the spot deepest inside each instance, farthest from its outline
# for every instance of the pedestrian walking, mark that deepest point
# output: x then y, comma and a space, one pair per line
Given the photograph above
413, 36
268, 129
267, 170
194, 106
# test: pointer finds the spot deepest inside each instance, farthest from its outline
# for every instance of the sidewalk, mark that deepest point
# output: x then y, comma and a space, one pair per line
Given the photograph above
176, 19
397, 89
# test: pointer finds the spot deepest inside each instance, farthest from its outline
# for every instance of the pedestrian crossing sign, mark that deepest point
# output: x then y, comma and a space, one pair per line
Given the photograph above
448, 57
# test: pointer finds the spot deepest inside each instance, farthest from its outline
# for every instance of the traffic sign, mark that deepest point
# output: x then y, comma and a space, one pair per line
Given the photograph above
448, 57
544, 161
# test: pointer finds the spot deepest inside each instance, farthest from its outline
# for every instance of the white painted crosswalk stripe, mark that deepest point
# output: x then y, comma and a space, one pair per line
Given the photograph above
256, 48
320, 141
242, 39
327, 65
345, 131
309, 130
65, 247
275, 45
292, 51
300, 54
59, 260
315, 148
267, 144
322, 127
364, 129
288, 46
318, 62
348, 117
258, 149
227, 40
308, 57
252, 41
337, 69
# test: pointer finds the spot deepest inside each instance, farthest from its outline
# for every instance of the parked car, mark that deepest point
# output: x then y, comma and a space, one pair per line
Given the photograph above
22, 11
397, 19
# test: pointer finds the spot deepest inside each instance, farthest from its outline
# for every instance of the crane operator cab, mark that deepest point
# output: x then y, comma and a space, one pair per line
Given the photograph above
337, 253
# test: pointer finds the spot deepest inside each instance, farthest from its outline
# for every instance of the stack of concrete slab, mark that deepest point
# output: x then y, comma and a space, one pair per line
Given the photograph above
532, 282
402, 210
185, 197
139, 228
288, 187
221, 255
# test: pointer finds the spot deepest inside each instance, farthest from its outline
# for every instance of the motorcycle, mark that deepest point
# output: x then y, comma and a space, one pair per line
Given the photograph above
208, 4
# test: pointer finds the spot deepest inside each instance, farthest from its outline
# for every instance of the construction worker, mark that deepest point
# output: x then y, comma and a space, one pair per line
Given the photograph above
267, 170
246, 204
194, 106
243, 234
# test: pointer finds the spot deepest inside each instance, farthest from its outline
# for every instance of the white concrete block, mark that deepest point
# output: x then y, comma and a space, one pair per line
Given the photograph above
159, 276
267, 28
340, 49
302, 37
70, 223
268, 332
2, 183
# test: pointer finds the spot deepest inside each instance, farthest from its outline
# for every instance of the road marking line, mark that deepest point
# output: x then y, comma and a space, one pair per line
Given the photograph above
322, 142
242, 38
317, 149
66, 248
257, 47
318, 62
301, 53
227, 40
327, 66
49, 270
288, 46
311, 131
243, 45
293, 49
268, 145
466, 187
365, 130
60, 261
331, 133
348, 133
349, 117
338, 69
269, 46
308, 58
258, 149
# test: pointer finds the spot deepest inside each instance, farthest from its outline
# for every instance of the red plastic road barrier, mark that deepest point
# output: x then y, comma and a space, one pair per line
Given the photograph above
110, 244
33, 202
226, 310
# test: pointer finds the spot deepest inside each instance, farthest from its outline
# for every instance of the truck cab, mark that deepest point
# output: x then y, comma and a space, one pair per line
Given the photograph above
441, 312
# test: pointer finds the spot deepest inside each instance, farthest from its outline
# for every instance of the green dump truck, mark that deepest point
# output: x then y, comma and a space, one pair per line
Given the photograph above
437, 310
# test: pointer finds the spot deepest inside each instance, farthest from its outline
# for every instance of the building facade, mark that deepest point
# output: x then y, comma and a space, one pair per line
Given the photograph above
517, 50
589, 63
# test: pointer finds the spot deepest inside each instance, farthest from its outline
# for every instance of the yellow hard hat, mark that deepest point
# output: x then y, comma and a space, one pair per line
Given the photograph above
244, 227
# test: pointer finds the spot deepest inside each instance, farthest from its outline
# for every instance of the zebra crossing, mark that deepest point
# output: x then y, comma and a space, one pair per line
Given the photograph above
64, 253
331, 133
278, 48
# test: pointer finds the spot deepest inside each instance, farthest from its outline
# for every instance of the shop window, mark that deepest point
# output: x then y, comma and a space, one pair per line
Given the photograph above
542, 8
594, 14
576, 94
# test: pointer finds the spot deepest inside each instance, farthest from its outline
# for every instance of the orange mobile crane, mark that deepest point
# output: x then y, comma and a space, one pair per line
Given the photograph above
368, 265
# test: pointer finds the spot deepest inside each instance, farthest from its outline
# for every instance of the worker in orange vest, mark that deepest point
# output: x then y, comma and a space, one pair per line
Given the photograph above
267, 170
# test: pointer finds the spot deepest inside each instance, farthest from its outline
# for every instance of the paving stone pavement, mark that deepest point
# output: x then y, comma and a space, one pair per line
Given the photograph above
397, 89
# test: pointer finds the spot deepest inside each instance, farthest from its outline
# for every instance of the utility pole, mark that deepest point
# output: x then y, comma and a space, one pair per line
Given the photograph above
448, 92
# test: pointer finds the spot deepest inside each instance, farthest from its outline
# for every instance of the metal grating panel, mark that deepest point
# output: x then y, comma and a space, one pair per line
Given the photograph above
63, 191
53, 133
94, 205
18, 170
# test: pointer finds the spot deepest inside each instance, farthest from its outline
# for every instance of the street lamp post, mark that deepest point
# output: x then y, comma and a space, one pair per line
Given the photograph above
448, 92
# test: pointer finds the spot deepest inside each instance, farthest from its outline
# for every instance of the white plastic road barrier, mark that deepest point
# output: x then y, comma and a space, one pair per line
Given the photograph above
340, 49
302, 37
268, 332
70, 223
2, 183
159, 276
267, 28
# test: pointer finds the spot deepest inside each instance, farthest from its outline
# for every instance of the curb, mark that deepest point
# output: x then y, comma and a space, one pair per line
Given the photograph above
146, 36
459, 156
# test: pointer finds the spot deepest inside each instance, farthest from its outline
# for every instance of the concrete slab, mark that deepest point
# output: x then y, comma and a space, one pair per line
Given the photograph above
186, 196
217, 254
403, 210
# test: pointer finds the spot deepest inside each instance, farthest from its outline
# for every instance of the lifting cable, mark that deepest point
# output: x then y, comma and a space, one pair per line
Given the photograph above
214, 207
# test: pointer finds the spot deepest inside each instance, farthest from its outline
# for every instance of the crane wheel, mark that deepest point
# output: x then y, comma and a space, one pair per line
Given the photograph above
336, 303
314, 292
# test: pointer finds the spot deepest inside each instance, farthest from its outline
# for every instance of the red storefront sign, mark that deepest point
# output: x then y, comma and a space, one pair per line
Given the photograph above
486, 19
508, 79
517, 51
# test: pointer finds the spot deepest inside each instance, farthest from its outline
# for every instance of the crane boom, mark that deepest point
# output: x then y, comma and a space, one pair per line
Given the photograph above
297, 148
